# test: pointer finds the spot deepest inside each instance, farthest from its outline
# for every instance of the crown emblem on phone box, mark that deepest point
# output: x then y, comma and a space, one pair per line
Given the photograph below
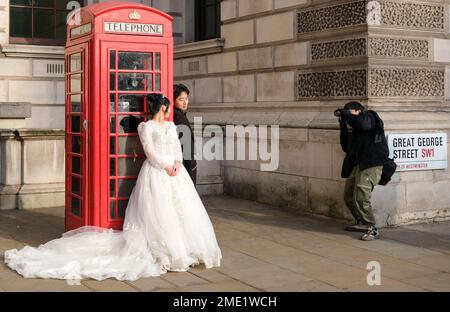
134, 15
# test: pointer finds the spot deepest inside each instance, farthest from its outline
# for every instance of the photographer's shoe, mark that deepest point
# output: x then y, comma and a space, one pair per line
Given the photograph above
371, 234
357, 227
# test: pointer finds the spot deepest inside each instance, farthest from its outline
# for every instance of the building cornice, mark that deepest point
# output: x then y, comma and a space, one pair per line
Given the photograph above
199, 48
32, 51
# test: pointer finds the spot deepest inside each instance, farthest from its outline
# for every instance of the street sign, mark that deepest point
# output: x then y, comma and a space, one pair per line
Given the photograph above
423, 151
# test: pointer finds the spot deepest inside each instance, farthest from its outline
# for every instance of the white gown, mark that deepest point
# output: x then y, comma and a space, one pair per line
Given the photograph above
166, 227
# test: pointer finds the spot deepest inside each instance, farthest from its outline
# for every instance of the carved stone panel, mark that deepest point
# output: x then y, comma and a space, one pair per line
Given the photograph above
407, 48
332, 84
413, 15
375, 82
403, 48
406, 82
407, 15
338, 49
332, 17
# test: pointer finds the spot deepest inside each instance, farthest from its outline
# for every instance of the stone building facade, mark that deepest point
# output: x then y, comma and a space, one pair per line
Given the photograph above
275, 62
292, 62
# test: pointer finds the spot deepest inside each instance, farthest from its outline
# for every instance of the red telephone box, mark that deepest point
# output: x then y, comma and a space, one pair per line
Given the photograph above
116, 53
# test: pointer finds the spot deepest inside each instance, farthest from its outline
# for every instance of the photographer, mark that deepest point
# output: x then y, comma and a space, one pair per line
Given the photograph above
363, 140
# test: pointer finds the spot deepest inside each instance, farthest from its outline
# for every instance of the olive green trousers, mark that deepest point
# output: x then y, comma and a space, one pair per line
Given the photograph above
358, 192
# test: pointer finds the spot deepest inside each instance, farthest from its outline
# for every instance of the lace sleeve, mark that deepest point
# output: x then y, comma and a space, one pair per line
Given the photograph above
178, 152
145, 135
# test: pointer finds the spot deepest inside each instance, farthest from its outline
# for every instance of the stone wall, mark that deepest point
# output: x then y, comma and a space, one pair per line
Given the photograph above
292, 62
32, 170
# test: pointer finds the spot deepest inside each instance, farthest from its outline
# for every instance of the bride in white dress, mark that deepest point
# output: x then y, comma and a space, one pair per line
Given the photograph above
166, 226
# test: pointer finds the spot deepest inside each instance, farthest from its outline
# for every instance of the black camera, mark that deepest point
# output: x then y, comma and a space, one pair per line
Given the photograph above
339, 112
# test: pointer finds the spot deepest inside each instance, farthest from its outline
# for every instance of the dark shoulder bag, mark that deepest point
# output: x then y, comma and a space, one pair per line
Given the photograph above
389, 166
388, 171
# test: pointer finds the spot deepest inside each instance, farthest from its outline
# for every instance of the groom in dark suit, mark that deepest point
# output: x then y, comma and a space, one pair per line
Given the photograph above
181, 103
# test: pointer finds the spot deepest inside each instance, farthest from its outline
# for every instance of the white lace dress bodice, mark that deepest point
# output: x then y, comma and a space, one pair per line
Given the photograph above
161, 144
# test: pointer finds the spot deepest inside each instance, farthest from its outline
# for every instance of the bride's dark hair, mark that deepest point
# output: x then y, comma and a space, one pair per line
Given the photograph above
155, 102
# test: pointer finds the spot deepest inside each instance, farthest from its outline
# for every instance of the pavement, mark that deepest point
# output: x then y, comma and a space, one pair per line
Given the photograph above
264, 249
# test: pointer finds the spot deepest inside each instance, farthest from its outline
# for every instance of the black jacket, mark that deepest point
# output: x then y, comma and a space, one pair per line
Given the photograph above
180, 118
365, 143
